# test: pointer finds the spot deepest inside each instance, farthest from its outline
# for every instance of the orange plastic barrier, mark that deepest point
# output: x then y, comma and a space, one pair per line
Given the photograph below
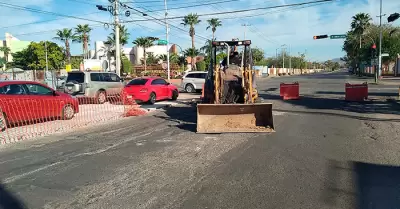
356, 92
290, 91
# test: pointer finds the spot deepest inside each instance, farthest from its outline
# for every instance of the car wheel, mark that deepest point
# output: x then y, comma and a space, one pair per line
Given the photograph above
101, 97
152, 98
3, 122
68, 112
174, 95
190, 88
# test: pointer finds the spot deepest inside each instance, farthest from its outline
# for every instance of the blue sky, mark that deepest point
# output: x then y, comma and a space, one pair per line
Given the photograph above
268, 30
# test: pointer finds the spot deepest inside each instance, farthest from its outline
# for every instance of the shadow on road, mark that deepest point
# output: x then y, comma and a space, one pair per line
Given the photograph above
367, 185
319, 103
381, 94
185, 116
8, 200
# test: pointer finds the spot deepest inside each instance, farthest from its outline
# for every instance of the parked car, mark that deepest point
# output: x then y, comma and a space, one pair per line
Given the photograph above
193, 81
97, 85
61, 82
150, 89
30, 101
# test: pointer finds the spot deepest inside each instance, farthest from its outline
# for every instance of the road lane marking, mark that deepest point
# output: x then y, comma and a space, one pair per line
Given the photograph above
17, 177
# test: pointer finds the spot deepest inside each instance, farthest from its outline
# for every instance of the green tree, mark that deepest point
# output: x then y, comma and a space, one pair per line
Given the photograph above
82, 36
76, 62
34, 56
192, 52
213, 23
191, 20
144, 42
126, 65
220, 56
151, 59
6, 51
65, 35
201, 66
257, 54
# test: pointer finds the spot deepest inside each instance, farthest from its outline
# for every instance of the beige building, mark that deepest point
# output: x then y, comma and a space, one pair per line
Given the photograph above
14, 44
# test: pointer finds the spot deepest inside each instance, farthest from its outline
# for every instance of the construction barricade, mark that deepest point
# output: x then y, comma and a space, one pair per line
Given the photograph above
22, 119
290, 91
356, 92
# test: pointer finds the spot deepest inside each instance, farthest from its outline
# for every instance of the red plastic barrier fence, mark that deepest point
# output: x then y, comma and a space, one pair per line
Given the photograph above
290, 91
29, 116
356, 92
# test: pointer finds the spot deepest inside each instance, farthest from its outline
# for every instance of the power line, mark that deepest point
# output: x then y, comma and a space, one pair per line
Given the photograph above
196, 5
83, 2
245, 10
43, 21
161, 22
17, 7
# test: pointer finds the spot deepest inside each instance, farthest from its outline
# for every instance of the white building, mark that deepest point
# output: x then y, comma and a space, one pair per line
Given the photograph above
134, 54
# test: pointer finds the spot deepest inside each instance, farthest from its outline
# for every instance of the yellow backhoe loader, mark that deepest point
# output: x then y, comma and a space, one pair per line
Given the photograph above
230, 102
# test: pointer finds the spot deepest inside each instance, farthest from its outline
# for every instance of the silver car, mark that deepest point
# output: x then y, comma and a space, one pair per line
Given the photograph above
98, 85
193, 81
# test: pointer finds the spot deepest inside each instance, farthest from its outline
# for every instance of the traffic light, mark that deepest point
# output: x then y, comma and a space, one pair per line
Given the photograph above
320, 37
100, 7
393, 17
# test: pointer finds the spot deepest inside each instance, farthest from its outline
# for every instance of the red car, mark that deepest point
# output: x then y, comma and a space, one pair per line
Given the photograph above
150, 89
22, 101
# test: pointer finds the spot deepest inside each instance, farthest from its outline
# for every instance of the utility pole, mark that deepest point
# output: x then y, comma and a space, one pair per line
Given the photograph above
117, 44
167, 39
290, 58
245, 28
283, 59
380, 40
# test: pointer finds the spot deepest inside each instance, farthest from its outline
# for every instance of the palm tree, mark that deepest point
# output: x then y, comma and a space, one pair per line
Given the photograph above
144, 42
360, 23
82, 36
213, 23
65, 35
6, 51
173, 58
191, 20
123, 36
192, 52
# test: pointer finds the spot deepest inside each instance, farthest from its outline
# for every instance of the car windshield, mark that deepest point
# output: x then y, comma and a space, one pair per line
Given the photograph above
137, 82
77, 77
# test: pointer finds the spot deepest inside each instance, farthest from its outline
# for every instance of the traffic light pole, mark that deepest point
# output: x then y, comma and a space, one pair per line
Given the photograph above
167, 39
117, 44
380, 42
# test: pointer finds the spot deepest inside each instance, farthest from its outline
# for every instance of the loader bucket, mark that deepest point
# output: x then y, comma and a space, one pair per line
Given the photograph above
234, 118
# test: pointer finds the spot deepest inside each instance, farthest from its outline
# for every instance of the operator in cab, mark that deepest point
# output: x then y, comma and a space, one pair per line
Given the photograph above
234, 59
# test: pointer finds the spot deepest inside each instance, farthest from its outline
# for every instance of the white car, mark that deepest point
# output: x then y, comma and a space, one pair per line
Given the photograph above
193, 81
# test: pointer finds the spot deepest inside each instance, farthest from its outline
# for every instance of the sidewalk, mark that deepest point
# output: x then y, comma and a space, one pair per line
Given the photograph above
393, 81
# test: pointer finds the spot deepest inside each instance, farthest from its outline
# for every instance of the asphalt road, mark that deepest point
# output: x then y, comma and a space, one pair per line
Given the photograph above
326, 153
